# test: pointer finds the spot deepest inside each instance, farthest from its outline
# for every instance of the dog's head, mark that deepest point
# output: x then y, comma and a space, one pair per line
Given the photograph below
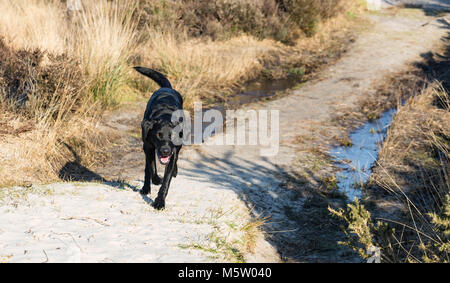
161, 134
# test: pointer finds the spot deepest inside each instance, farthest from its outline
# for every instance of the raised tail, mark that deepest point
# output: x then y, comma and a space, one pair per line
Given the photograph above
159, 78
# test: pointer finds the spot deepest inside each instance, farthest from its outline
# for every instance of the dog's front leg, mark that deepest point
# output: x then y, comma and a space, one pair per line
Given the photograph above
156, 180
175, 171
160, 201
149, 171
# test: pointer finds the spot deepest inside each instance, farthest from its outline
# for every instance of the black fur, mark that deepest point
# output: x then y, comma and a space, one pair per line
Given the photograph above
157, 130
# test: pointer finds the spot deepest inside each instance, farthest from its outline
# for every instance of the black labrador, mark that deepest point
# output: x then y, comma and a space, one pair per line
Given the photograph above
161, 134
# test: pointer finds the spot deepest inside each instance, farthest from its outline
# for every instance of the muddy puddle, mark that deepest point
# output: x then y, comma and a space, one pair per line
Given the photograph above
257, 90
252, 92
356, 161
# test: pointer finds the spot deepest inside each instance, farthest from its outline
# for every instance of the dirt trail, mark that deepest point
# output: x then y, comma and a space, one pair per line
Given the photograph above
219, 188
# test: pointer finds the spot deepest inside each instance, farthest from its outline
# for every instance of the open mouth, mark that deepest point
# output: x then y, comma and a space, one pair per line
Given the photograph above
164, 159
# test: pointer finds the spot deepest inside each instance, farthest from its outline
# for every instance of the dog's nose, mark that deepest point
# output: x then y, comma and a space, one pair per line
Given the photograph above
165, 151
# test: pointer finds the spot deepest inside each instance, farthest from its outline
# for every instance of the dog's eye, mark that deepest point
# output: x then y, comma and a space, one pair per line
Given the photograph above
181, 135
159, 135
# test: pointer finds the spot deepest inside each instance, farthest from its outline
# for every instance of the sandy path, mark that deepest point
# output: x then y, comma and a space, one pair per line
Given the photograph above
217, 189
101, 223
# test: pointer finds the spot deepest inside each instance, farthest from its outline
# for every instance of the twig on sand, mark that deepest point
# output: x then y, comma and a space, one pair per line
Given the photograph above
86, 219
69, 234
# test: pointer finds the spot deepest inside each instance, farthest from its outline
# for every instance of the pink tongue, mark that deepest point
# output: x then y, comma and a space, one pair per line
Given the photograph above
165, 159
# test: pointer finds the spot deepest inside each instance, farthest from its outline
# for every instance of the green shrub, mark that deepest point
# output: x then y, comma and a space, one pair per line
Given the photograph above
362, 234
439, 251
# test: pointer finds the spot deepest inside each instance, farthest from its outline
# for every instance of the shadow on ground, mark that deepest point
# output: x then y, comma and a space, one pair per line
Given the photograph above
299, 224
74, 171
436, 65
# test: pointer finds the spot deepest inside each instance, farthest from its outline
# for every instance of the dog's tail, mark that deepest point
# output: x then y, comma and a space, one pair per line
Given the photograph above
159, 78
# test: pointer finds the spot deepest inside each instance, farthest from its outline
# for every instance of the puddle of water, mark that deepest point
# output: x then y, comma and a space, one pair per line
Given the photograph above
254, 91
357, 160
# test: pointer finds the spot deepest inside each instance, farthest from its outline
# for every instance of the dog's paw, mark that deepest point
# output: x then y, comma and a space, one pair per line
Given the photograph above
159, 204
145, 191
156, 180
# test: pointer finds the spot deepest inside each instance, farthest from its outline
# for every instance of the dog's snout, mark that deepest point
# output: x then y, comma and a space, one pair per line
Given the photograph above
165, 151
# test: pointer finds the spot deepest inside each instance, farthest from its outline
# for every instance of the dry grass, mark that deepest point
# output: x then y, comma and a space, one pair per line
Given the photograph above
202, 70
33, 24
37, 155
105, 39
101, 37
416, 149
54, 111
55, 77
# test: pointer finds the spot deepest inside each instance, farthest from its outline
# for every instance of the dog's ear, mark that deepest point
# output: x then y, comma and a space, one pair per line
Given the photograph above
147, 127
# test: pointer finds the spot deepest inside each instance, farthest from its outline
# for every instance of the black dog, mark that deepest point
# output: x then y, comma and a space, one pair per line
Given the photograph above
158, 129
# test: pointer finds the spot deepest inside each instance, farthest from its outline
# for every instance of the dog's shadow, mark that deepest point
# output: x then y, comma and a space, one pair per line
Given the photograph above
135, 189
74, 171
147, 199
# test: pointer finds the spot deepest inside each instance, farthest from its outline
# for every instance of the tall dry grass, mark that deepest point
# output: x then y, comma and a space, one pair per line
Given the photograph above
102, 37
80, 67
105, 39
33, 24
205, 70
